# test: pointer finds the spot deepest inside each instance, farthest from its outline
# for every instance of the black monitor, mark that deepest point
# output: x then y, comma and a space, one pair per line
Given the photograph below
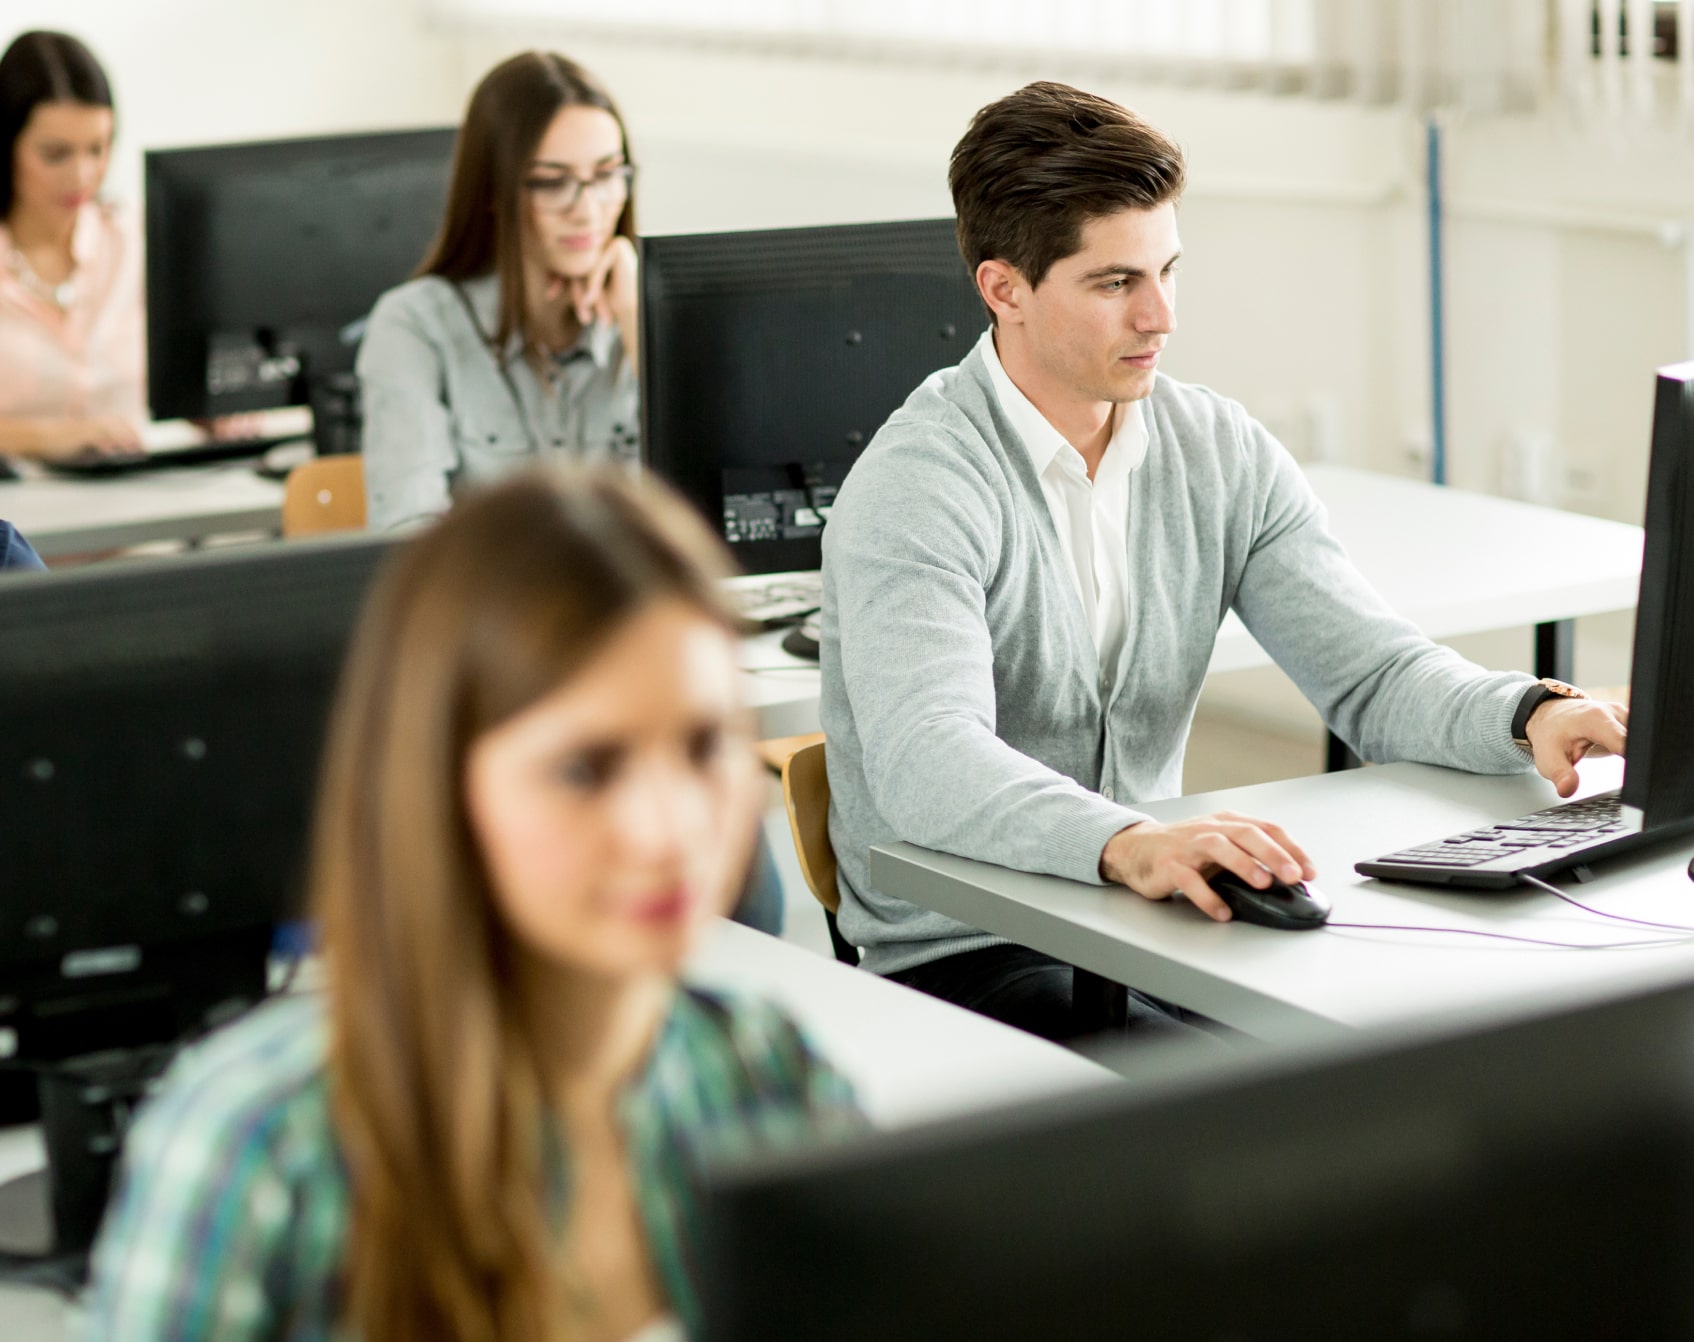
770, 358
1659, 779
160, 726
264, 258
1525, 1180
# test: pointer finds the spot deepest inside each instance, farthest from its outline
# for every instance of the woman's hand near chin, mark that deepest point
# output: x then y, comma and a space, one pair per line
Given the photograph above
610, 292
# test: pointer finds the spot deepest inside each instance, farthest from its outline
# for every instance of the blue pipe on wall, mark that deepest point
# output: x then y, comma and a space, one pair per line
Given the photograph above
1437, 349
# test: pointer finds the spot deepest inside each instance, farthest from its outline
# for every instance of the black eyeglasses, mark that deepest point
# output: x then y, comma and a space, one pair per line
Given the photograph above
561, 191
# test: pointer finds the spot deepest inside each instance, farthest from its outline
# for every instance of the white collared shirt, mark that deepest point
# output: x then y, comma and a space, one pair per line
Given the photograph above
1092, 518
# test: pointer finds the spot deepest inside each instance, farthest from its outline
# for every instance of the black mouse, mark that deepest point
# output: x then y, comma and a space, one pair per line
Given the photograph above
1691, 868
1292, 908
802, 639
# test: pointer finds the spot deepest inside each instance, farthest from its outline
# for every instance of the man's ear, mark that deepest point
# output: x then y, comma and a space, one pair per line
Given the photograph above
1003, 288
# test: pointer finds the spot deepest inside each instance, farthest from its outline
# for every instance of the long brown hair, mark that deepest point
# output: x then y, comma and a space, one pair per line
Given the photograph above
483, 230
436, 1089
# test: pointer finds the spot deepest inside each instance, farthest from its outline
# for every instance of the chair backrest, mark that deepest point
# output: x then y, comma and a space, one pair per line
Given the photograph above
805, 792
325, 494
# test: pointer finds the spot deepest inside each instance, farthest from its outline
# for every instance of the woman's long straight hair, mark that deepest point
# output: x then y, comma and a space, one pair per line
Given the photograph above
483, 229
436, 1090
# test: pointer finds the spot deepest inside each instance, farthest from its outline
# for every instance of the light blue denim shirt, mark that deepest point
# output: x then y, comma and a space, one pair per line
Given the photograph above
442, 411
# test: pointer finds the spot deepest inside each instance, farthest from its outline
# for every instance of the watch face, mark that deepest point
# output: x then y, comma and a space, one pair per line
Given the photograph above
1559, 687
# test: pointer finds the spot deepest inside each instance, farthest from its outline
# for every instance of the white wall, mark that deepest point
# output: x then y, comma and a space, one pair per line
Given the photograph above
206, 71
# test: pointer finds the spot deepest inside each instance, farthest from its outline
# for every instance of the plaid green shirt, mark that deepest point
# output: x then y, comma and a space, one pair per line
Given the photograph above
230, 1218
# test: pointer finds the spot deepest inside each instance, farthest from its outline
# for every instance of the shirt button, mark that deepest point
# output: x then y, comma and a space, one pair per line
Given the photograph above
1106, 792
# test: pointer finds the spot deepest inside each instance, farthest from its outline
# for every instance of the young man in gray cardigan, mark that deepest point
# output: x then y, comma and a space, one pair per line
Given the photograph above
1024, 574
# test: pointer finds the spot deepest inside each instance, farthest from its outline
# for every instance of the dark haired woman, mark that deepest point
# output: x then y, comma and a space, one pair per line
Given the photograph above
538, 792
516, 340
71, 318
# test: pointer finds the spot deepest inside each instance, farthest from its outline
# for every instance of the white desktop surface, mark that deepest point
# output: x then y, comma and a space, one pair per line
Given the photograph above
1454, 563
781, 688
911, 1059
1290, 985
60, 515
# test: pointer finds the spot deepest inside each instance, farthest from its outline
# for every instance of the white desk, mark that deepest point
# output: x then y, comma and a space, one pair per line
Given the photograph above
781, 688
912, 1059
1290, 985
1452, 562
1455, 563
60, 516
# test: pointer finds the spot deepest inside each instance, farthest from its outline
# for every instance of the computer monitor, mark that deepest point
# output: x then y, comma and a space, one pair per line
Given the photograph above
160, 725
1525, 1180
770, 358
264, 258
1659, 777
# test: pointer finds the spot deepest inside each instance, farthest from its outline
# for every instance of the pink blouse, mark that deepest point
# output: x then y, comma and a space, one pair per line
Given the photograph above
89, 358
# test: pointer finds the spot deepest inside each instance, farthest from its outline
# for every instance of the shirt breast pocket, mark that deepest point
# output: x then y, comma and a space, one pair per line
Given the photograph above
487, 448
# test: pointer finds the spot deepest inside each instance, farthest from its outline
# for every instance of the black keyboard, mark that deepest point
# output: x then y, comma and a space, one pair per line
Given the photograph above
1564, 836
200, 454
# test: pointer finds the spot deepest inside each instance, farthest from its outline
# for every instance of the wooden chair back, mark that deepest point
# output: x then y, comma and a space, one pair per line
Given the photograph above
805, 792
323, 495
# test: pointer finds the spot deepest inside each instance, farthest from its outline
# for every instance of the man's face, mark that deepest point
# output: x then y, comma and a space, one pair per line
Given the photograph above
1098, 320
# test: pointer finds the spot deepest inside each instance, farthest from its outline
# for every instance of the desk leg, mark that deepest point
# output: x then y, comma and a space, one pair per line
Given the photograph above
1338, 756
1097, 1004
1555, 649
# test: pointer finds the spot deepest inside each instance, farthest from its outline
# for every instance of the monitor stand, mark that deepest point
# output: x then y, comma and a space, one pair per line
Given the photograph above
49, 1217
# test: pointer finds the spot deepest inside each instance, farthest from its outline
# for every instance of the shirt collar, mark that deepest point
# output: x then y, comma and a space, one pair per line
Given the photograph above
1126, 451
598, 340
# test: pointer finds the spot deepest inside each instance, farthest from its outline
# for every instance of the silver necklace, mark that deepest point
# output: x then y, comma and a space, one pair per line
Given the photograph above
60, 295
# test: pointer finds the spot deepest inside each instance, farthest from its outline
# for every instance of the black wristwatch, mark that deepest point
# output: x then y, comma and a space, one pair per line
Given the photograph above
1537, 694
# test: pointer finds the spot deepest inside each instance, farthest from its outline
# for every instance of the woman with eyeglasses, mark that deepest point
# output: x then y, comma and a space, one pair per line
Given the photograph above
517, 338
516, 341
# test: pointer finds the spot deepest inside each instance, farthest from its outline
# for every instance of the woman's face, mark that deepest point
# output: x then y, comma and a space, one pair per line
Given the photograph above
615, 816
580, 155
59, 158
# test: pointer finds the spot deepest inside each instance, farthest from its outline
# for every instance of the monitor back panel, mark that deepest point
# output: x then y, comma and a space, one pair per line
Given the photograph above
771, 358
1660, 778
260, 257
1477, 1187
160, 728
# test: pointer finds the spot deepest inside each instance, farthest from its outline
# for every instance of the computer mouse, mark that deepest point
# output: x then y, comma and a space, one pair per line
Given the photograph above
1291, 908
803, 639
1691, 868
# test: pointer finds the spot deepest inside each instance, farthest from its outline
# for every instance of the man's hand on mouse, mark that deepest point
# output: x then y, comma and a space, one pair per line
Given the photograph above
1563, 731
1157, 860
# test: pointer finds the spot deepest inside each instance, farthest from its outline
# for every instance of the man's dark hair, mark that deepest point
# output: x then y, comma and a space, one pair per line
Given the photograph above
1037, 165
